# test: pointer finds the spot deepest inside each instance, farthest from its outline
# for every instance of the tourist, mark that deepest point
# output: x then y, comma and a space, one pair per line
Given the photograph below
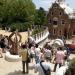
2, 43
1, 55
32, 53
59, 58
42, 56
37, 53
48, 54
68, 52
6, 41
54, 50
62, 70
46, 65
1, 36
24, 54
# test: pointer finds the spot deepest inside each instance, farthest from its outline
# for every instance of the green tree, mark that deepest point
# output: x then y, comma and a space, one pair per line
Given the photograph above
16, 12
40, 16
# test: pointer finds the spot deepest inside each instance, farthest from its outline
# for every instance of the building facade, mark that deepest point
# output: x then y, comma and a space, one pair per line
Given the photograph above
61, 20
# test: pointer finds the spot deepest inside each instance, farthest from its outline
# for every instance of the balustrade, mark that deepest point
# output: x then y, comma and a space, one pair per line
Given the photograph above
41, 36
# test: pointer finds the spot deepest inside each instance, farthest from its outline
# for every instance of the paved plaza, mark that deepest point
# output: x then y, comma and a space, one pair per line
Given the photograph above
15, 68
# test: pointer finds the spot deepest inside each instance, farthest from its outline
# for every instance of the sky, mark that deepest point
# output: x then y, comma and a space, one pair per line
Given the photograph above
47, 3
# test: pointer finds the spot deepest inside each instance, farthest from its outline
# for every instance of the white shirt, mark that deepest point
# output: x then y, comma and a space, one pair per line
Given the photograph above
37, 51
61, 70
38, 68
6, 41
32, 50
48, 53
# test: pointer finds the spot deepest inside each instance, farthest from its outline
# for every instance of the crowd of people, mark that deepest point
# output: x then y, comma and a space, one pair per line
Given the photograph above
43, 57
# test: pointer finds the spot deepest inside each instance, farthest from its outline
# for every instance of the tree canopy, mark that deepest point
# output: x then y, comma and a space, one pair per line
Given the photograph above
40, 17
16, 13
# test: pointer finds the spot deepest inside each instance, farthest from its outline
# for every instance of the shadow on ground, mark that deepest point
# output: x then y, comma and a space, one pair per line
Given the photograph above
17, 73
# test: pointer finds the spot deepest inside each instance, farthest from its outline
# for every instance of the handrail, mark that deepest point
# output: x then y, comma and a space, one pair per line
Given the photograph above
41, 36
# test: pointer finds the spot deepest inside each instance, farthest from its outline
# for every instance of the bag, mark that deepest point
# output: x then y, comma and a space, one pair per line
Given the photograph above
31, 56
46, 72
28, 57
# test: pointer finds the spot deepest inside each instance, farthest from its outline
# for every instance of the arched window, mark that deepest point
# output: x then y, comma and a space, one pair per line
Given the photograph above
55, 21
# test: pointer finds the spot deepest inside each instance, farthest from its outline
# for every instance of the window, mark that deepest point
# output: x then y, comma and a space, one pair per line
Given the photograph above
55, 6
62, 22
60, 32
74, 32
54, 22
60, 13
54, 31
51, 13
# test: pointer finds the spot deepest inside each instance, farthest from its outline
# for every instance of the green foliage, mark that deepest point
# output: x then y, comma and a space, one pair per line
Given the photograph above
72, 63
36, 31
71, 68
40, 17
13, 12
20, 26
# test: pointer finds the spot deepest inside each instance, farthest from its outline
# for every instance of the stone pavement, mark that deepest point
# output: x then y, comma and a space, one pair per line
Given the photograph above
15, 68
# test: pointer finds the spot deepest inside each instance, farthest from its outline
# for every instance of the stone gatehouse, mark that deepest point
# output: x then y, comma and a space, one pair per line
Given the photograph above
61, 20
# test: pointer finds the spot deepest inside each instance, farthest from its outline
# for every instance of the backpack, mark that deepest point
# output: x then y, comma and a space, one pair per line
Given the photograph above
46, 72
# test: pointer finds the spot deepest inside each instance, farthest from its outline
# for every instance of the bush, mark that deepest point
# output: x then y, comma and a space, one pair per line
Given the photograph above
35, 31
72, 64
71, 68
20, 26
